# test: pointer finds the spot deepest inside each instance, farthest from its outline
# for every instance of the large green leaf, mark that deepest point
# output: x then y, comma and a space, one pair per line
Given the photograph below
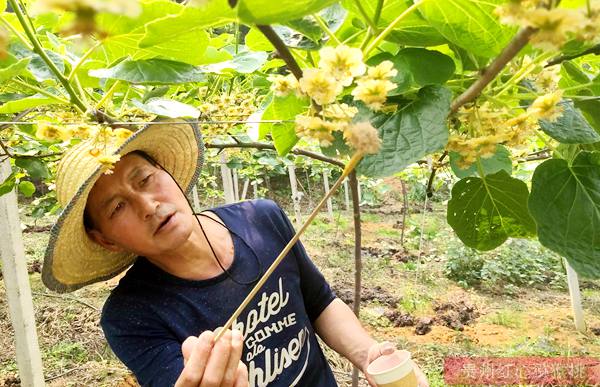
470, 24
413, 30
490, 165
266, 12
12, 67
486, 211
124, 33
19, 105
426, 67
286, 109
38, 69
8, 184
411, 133
183, 36
571, 127
565, 203
151, 71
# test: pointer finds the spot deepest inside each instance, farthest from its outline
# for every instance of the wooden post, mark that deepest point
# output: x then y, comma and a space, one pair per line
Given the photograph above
573, 282
296, 196
245, 189
255, 187
18, 291
326, 186
236, 185
227, 181
346, 195
196, 198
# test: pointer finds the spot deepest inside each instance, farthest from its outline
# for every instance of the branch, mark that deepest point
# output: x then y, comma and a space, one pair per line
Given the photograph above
517, 43
434, 167
282, 49
558, 60
260, 145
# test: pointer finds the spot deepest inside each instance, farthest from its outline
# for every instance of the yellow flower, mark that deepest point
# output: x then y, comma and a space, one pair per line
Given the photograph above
108, 162
52, 132
553, 26
342, 62
547, 79
373, 92
363, 137
121, 135
546, 107
315, 127
339, 112
81, 131
382, 71
283, 85
320, 86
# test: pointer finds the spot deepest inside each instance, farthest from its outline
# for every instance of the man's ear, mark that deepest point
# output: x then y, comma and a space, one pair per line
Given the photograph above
100, 239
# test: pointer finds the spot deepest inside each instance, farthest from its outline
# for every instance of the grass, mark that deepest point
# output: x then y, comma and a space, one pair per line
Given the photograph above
506, 318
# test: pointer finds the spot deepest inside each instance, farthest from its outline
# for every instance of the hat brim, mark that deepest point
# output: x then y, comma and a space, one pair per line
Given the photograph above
72, 259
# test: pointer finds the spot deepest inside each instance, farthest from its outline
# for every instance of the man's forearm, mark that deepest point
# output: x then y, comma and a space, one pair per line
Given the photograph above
340, 329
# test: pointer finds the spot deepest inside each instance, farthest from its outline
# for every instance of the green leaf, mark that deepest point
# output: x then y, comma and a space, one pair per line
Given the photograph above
34, 167
151, 71
412, 132
571, 127
245, 62
11, 67
283, 108
256, 41
190, 20
490, 165
426, 67
484, 212
266, 12
413, 30
591, 111
470, 24
38, 69
168, 108
8, 184
26, 103
565, 203
403, 78
27, 188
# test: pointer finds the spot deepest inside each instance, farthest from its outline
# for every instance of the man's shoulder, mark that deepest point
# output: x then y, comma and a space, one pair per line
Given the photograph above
256, 210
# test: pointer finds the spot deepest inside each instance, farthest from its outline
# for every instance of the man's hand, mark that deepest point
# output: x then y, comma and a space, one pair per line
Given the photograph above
387, 348
210, 364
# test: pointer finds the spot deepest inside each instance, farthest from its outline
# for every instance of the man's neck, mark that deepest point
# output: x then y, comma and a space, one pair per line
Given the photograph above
194, 260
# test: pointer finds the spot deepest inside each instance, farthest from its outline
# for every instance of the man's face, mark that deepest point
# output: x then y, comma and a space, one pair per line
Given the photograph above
139, 208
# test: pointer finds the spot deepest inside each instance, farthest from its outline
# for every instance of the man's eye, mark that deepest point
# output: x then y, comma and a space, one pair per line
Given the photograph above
118, 208
145, 180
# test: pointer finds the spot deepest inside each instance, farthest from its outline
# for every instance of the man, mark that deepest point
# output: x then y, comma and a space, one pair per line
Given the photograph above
190, 272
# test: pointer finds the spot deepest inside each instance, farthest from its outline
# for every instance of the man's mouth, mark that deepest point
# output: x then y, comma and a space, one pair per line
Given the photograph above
164, 223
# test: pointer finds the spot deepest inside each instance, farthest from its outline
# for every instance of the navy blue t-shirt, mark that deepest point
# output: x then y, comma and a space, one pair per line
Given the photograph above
150, 313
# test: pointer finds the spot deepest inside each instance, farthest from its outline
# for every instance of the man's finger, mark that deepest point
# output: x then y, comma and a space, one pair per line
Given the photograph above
241, 379
187, 347
217, 363
234, 359
196, 363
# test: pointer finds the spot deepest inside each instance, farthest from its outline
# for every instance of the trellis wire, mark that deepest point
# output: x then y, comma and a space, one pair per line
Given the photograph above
209, 122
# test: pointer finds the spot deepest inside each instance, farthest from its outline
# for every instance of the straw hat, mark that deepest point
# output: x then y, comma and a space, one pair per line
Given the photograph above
72, 259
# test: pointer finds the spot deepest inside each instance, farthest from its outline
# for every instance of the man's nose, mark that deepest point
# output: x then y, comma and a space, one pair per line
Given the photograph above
147, 206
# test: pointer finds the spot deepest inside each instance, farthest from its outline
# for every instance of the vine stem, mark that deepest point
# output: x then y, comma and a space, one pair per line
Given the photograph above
281, 48
489, 74
325, 28
16, 32
347, 170
82, 59
37, 47
391, 27
362, 11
